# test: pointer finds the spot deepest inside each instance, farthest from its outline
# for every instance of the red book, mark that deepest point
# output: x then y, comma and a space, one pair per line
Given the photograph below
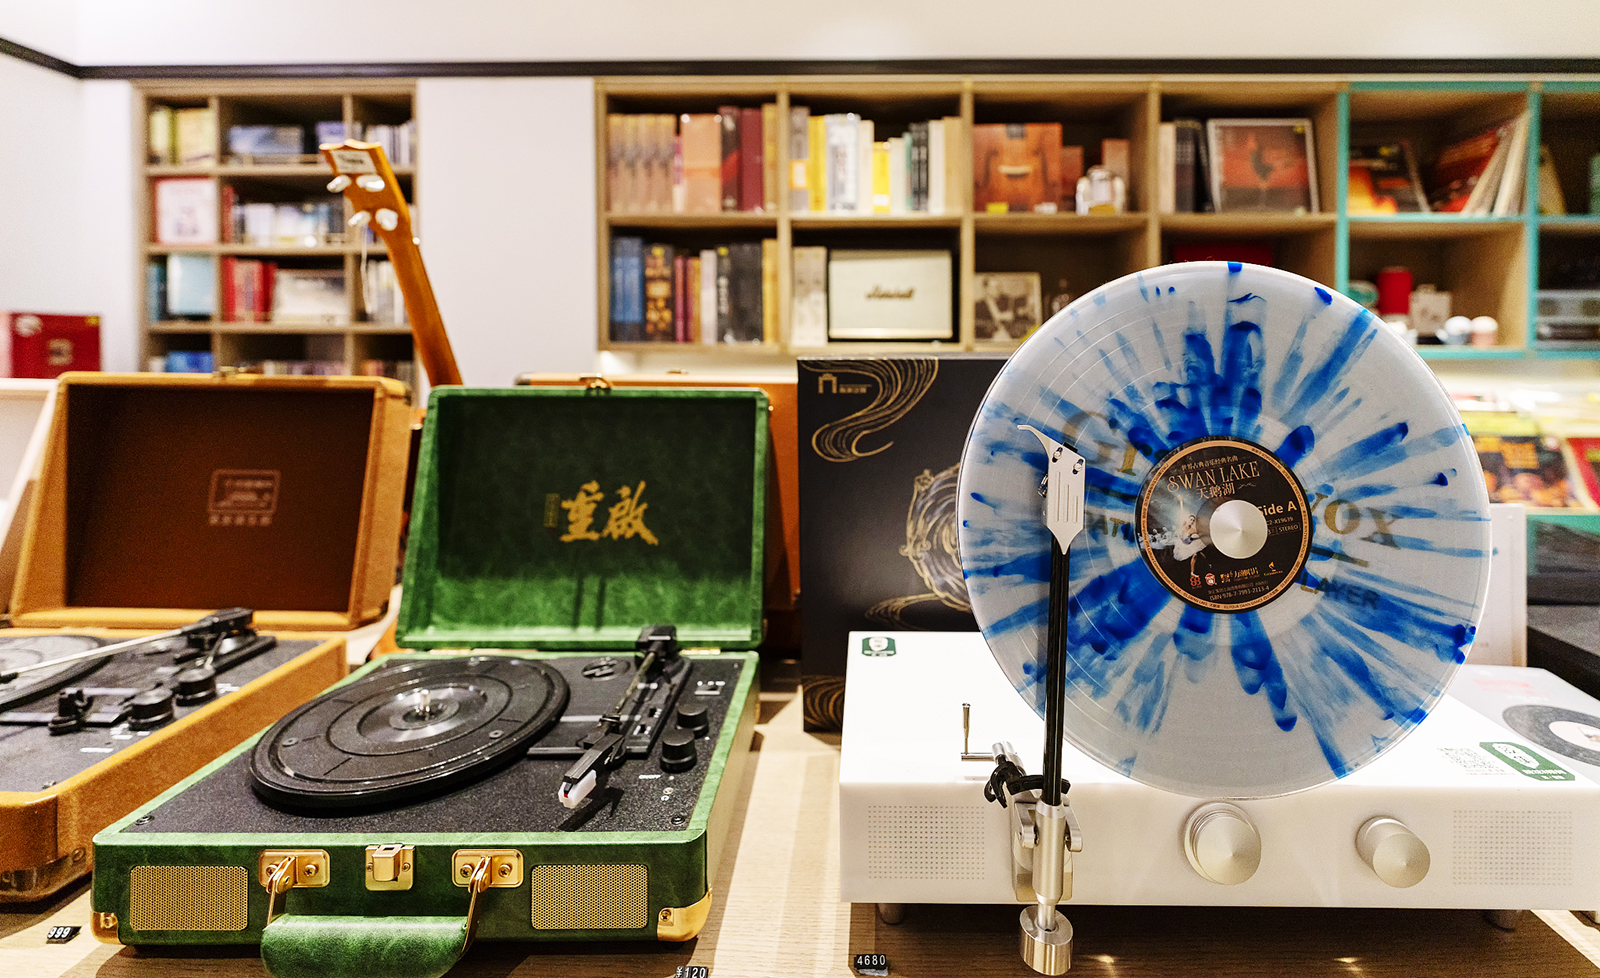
230, 200
751, 157
230, 287
1586, 452
269, 272
680, 299
46, 345
730, 156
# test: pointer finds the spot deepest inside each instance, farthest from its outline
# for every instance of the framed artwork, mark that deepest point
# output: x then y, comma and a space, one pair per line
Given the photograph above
1262, 165
1007, 307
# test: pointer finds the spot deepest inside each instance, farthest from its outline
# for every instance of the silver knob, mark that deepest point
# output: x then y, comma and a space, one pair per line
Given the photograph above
1393, 851
1221, 843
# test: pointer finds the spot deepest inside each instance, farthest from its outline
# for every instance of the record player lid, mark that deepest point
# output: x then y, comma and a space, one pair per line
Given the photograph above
557, 518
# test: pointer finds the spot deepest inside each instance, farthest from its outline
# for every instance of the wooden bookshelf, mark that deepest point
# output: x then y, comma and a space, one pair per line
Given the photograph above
349, 340
1491, 265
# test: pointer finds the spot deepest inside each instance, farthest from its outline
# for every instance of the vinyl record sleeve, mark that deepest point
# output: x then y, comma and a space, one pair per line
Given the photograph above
1197, 392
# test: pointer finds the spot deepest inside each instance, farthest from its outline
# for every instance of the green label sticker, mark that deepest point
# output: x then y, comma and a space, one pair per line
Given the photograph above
877, 645
1527, 762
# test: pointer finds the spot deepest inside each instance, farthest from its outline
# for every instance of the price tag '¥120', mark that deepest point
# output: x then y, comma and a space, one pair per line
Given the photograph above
693, 971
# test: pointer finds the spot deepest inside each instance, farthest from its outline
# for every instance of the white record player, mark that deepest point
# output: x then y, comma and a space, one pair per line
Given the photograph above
1463, 813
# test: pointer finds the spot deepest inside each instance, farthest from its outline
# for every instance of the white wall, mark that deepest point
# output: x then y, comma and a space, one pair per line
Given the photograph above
212, 32
506, 193
41, 156
109, 225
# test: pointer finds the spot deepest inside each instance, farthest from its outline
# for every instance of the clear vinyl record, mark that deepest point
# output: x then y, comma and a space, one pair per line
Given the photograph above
1286, 540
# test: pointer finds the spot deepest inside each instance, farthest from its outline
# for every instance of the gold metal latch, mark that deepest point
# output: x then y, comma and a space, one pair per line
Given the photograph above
280, 870
479, 869
390, 867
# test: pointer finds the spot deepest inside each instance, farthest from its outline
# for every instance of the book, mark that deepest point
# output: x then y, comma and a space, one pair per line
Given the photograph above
194, 136
191, 286
808, 314
658, 304
1458, 168
769, 290
1203, 202
881, 178
724, 295
956, 159
1114, 156
627, 289
381, 298
769, 157
702, 163
1586, 459
864, 157
1383, 179
708, 295
694, 298
159, 147
842, 137
155, 291
1520, 464
628, 200
730, 156
330, 131
48, 345
186, 210
188, 362
897, 174
231, 227
1186, 163
917, 166
1508, 199
816, 164
230, 288
661, 180
1016, 167
1488, 185
752, 146
1551, 199
680, 191
310, 296
266, 143
937, 195
1262, 166
1167, 168
744, 286
799, 158
680, 298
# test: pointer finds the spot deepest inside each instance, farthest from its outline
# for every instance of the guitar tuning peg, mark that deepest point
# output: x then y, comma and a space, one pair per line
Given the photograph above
361, 219
370, 182
338, 183
387, 219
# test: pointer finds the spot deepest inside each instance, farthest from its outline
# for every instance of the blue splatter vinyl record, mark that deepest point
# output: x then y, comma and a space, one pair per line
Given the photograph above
1286, 541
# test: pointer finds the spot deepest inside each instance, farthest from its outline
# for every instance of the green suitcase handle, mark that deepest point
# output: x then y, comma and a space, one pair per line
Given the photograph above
298, 946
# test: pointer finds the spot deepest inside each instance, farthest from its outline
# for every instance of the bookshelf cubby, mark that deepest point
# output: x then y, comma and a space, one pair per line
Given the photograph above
1492, 266
347, 339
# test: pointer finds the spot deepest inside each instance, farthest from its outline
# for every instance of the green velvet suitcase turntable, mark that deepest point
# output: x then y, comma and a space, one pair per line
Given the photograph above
561, 764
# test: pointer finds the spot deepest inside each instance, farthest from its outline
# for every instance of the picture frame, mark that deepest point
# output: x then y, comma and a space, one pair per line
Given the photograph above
1006, 307
1262, 166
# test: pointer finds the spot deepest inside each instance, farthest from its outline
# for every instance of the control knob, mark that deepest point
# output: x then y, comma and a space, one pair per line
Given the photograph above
692, 717
1393, 851
150, 709
196, 684
677, 751
1221, 843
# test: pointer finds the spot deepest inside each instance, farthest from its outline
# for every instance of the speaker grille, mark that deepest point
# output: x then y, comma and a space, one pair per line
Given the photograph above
1512, 848
590, 897
189, 898
925, 842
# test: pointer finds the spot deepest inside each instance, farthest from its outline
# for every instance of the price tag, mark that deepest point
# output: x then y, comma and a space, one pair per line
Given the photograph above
875, 965
693, 971
61, 934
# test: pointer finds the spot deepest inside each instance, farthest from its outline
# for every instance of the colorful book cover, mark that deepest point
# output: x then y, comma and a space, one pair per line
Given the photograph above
1383, 180
1016, 167
1458, 168
730, 156
1262, 165
658, 309
1586, 456
880, 178
816, 164
627, 289
1520, 464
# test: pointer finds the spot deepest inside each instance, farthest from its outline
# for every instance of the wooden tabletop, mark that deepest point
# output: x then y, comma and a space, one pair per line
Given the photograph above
777, 913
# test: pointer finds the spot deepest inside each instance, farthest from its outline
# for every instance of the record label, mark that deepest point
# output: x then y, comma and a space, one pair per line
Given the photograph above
1223, 525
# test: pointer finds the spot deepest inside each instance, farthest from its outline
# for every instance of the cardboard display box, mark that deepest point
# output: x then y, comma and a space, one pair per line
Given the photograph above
880, 447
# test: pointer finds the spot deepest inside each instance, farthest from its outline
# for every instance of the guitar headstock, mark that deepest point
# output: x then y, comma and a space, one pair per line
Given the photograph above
363, 175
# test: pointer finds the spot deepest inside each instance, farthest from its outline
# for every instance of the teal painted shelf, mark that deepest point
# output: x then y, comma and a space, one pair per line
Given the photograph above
1470, 353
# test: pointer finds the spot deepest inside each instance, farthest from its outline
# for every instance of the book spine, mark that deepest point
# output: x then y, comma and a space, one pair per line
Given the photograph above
1167, 168
680, 183
864, 155
936, 167
160, 135
724, 301
816, 164
897, 175
745, 290
658, 324
1183, 163
708, 295
799, 158
769, 157
730, 157
680, 299
155, 292
628, 200
843, 168
668, 166
752, 162
627, 289
614, 147
1114, 157
956, 155
692, 304
769, 290
917, 166
881, 183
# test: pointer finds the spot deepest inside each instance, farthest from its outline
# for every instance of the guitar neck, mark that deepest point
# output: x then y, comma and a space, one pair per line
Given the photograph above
367, 181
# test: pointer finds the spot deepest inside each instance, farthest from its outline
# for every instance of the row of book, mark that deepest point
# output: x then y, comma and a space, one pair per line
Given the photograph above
188, 136
1544, 454
725, 294
182, 362
838, 163
1482, 174
306, 224
204, 362
180, 287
